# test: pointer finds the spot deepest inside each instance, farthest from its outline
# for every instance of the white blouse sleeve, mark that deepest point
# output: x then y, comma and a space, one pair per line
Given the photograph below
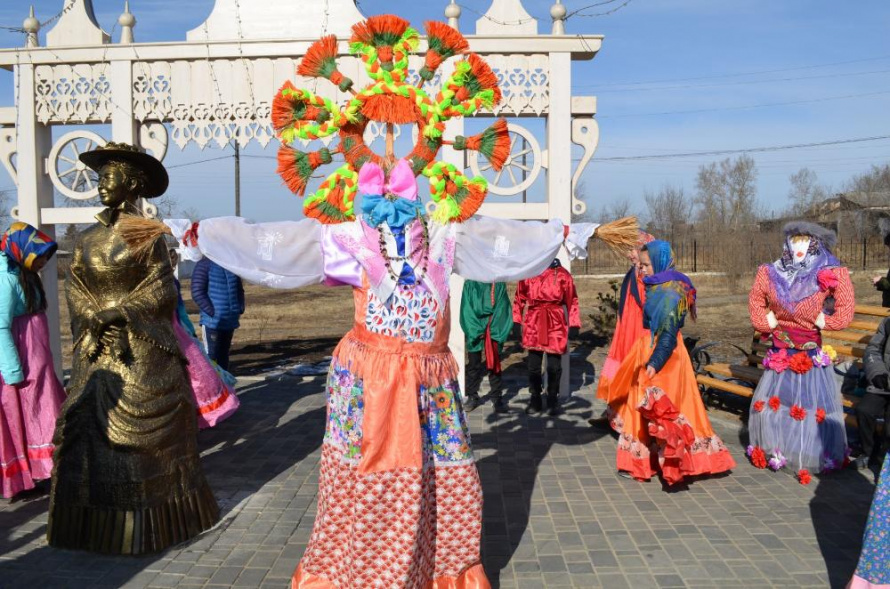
488, 249
284, 254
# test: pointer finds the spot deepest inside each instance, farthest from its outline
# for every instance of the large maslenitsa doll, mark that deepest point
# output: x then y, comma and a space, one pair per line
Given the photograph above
796, 414
399, 501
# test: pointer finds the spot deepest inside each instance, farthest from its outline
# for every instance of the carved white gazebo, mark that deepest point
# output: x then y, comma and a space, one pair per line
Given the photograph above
217, 86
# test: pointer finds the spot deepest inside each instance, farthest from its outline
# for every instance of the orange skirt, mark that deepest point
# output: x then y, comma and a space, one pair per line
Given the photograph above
628, 330
662, 423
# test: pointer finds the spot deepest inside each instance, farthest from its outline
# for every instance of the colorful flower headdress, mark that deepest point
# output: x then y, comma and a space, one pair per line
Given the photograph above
383, 43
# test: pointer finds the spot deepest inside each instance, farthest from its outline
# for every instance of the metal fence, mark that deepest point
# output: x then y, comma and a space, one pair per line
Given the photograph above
696, 255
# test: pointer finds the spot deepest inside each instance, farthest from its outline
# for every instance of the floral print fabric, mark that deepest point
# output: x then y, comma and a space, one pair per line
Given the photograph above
874, 564
411, 313
444, 431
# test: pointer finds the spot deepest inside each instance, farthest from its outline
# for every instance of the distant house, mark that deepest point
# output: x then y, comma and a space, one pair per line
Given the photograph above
851, 215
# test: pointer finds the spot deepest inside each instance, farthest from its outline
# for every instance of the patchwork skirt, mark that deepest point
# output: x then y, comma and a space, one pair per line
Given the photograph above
385, 520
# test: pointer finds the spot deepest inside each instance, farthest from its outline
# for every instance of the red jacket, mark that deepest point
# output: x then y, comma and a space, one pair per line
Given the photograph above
540, 306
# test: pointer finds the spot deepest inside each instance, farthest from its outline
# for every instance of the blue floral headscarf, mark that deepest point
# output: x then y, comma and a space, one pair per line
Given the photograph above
670, 295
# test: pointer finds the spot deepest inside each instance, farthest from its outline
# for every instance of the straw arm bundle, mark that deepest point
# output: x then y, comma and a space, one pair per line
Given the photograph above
620, 236
141, 233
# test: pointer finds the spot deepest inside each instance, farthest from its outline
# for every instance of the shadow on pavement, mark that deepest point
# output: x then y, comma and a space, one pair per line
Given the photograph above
839, 510
509, 454
257, 358
240, 456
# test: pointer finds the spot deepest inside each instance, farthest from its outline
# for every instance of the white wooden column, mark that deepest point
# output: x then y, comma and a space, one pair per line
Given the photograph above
35, 193
123, 123
559, 172
124, 128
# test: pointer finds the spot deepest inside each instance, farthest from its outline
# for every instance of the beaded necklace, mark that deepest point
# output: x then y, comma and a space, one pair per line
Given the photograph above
423, 247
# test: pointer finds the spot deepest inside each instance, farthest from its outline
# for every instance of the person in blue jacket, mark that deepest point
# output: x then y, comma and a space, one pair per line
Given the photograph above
219, 295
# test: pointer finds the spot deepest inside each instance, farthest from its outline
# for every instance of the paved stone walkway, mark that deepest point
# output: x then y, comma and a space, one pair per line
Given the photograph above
556, 515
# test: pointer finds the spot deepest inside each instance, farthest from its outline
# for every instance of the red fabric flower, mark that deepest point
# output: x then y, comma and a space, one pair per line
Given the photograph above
827, 279
803, 476
798, 412
820, 415
801, 363
758, 406
774, 403
758, 458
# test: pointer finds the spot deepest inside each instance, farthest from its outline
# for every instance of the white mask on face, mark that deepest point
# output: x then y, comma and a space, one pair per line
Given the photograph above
799, 249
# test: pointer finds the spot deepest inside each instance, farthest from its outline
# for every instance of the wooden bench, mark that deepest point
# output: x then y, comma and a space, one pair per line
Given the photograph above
741, 379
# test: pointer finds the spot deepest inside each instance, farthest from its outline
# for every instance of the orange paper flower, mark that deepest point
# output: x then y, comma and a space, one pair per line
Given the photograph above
801, 363
758, 458
820, 415
758, 406
774, 403
803, 476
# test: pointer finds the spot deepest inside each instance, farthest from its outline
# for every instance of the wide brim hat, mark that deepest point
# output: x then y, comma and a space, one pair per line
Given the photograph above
157, 179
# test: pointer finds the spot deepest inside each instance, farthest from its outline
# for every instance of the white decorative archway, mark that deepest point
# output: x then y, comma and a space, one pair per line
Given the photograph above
195, 92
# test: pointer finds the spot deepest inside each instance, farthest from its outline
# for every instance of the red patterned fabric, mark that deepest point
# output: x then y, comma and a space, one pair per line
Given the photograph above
763, 299
540, 306
402, 528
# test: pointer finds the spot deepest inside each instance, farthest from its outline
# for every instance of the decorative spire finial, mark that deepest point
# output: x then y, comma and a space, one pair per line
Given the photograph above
126, 21
558, 14
452, 13
31, 26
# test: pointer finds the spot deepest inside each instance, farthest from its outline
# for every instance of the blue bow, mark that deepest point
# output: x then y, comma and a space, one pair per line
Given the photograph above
397, 213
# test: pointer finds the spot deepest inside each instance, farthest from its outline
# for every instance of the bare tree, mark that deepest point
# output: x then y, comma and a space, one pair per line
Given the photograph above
872, 187
669, 211
726, 193
617, 209
805, 191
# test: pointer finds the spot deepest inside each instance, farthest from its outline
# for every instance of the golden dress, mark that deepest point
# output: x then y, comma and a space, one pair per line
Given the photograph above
127, 477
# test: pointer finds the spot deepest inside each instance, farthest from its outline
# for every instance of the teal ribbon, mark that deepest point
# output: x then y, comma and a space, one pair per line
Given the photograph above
396, 213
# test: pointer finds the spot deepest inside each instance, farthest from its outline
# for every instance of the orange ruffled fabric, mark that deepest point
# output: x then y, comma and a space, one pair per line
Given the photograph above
472, 578
669, 450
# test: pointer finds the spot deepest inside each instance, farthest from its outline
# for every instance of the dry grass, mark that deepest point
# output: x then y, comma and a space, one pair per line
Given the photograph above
285, 327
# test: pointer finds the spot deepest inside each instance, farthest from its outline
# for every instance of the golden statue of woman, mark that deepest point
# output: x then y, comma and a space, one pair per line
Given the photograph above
127, 477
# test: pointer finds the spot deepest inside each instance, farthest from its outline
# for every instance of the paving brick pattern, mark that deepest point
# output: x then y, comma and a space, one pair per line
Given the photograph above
556, 514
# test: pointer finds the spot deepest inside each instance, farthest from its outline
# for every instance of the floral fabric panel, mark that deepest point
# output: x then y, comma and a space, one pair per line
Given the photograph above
345, 410
411, 313
874, 566
445, 433
443, 424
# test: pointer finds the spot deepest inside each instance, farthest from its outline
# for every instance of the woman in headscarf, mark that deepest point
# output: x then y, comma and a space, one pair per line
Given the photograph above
796, 414
659, 415
32, 394
628, 328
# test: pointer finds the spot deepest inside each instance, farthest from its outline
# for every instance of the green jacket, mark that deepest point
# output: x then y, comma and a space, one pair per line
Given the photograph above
476, 307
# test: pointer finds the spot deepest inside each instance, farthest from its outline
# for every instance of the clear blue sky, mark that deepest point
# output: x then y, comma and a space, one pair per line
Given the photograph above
659, 56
